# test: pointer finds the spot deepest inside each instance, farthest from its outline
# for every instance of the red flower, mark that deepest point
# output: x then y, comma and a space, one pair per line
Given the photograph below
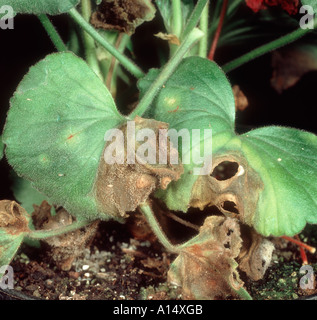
255, 5
291, 6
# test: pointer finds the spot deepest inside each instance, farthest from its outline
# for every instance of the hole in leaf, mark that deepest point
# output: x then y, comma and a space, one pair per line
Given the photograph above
230, 206
225, 170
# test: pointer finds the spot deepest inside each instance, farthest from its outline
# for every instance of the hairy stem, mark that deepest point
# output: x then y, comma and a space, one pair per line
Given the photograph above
166, 72
177, 18
218, 31
89, 42
273, 45
44, 234
51, 31
203, 44
194, 18
125, 61
151, 219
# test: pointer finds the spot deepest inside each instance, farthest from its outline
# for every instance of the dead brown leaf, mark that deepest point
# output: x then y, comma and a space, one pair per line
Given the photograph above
122, 15
171, 38
13, 217
120, 188
205, 268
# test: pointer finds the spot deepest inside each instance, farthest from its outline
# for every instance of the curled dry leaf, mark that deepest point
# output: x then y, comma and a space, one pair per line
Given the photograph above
13, 218
206, 267
64, 249
233, 186
121, 188
171, 38
123, 15
14, 222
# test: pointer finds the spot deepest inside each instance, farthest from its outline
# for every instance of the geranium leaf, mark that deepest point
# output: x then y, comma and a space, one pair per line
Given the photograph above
55, 130
286, 161
52, 7
197, 96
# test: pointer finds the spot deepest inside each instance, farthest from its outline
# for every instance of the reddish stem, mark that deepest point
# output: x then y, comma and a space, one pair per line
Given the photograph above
218, 31
300, 244
302, 252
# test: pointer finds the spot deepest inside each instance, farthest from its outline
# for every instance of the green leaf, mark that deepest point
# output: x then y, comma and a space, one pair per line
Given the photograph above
52, 7
197, 96
286, 160
55, 131
280, 164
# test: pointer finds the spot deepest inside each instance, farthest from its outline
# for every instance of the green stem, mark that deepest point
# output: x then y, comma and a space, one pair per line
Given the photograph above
275, 44
194, 18
125, 61
155, 226
177, 18
89, 43
203, 44
53, 34
44, 234
166, 72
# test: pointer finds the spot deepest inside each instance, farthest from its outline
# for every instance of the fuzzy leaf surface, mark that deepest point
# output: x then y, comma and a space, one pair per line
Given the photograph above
197, 96
52, 7
55, 130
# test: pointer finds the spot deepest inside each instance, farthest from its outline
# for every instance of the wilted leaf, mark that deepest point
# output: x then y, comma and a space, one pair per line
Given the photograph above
52, 7
55, 130
120, 188
124, 16
291, 63
206, 267
13, 227
64, 249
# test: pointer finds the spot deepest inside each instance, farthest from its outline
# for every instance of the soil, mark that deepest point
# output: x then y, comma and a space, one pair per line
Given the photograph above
116, 266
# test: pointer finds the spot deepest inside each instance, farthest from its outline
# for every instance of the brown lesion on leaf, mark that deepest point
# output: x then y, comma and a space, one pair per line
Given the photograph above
63, 249
13, 218
121, 188
122, 15
233, 186
206, 267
